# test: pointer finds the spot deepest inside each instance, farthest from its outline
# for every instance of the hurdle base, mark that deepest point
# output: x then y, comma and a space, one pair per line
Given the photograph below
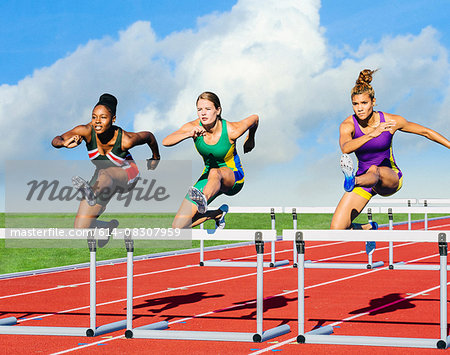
8, 321
154, 326
402, 266
243, 263
210, 335
310, 265
202, 263
107, 328
7, 327
279, 263
375, 341
326, 330
41, 330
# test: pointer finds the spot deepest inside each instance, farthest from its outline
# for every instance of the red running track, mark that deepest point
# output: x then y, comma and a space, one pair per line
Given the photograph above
356, 302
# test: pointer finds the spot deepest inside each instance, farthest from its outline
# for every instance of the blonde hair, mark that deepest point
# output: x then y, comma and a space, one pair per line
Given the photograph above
363, 83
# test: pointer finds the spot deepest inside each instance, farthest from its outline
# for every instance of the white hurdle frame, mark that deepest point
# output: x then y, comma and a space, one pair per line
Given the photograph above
330, 210
273, 263
157, 330
6, 324
390, 202
435, 201
324, 335
410, 210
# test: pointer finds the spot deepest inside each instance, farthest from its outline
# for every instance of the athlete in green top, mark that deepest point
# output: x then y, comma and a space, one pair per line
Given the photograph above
108, 148
215, 140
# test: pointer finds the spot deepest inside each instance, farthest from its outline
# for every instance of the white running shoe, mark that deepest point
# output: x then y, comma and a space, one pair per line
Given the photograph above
86, 190
348, 171
197, 196
220, 223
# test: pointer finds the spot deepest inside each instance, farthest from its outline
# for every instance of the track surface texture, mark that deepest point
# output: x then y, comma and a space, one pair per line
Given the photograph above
379, 302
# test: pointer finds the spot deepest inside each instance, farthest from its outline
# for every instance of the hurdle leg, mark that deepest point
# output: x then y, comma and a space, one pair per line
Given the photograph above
202, 249
294, 222
391, 244
93, 329
262, 335
443, 250
259, 286
92, 243
129, 244
272, 245
300, 248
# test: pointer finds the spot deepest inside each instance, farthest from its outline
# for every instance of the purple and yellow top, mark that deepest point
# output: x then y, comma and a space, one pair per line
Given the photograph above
378, 151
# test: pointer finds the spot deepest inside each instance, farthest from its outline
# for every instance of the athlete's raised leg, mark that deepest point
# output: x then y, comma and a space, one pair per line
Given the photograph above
384, 180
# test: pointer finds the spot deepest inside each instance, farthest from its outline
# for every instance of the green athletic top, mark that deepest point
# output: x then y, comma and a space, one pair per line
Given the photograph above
221, 154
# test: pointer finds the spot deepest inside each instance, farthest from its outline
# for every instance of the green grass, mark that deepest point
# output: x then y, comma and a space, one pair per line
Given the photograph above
13, 259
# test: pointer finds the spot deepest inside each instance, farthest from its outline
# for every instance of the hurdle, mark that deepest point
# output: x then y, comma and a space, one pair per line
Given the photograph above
387, 202
413, 209
434, 201
158, 330
7, 325
325, 335
272, 263
330, 210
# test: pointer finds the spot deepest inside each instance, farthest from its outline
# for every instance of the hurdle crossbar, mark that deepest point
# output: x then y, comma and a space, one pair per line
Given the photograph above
325, 333
414, 209
425, 210
273, 262
7, 325
158, 330
329, 210
390, 202
435, 201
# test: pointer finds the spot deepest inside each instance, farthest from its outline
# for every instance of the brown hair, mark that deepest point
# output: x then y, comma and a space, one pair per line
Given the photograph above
210, 96
363, 83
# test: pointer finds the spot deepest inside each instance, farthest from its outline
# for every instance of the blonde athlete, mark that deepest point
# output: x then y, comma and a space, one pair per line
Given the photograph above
215, 140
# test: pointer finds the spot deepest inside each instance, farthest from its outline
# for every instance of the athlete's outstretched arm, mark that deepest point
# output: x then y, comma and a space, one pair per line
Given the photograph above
237, 129
188, 130
411, 127
133, 139
72, 138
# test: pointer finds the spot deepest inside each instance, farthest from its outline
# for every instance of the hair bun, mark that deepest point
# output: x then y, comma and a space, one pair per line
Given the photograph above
108, 101
365, 77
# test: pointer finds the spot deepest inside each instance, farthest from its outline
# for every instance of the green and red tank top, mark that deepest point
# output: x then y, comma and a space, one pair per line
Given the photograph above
115, 158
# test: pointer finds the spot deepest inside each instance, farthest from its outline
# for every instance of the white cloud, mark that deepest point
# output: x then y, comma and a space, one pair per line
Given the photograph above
272, 60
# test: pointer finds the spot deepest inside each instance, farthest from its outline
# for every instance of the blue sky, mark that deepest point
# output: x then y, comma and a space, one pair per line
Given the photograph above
292, 62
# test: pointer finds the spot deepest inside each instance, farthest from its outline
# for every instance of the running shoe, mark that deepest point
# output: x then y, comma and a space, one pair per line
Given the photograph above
348, 171
86, 190
197, 196
220, 223
371, 246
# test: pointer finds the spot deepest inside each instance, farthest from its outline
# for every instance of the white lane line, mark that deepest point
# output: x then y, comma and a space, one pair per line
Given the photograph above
155, 293
59, 287
270, 348
98, 281
239, 305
